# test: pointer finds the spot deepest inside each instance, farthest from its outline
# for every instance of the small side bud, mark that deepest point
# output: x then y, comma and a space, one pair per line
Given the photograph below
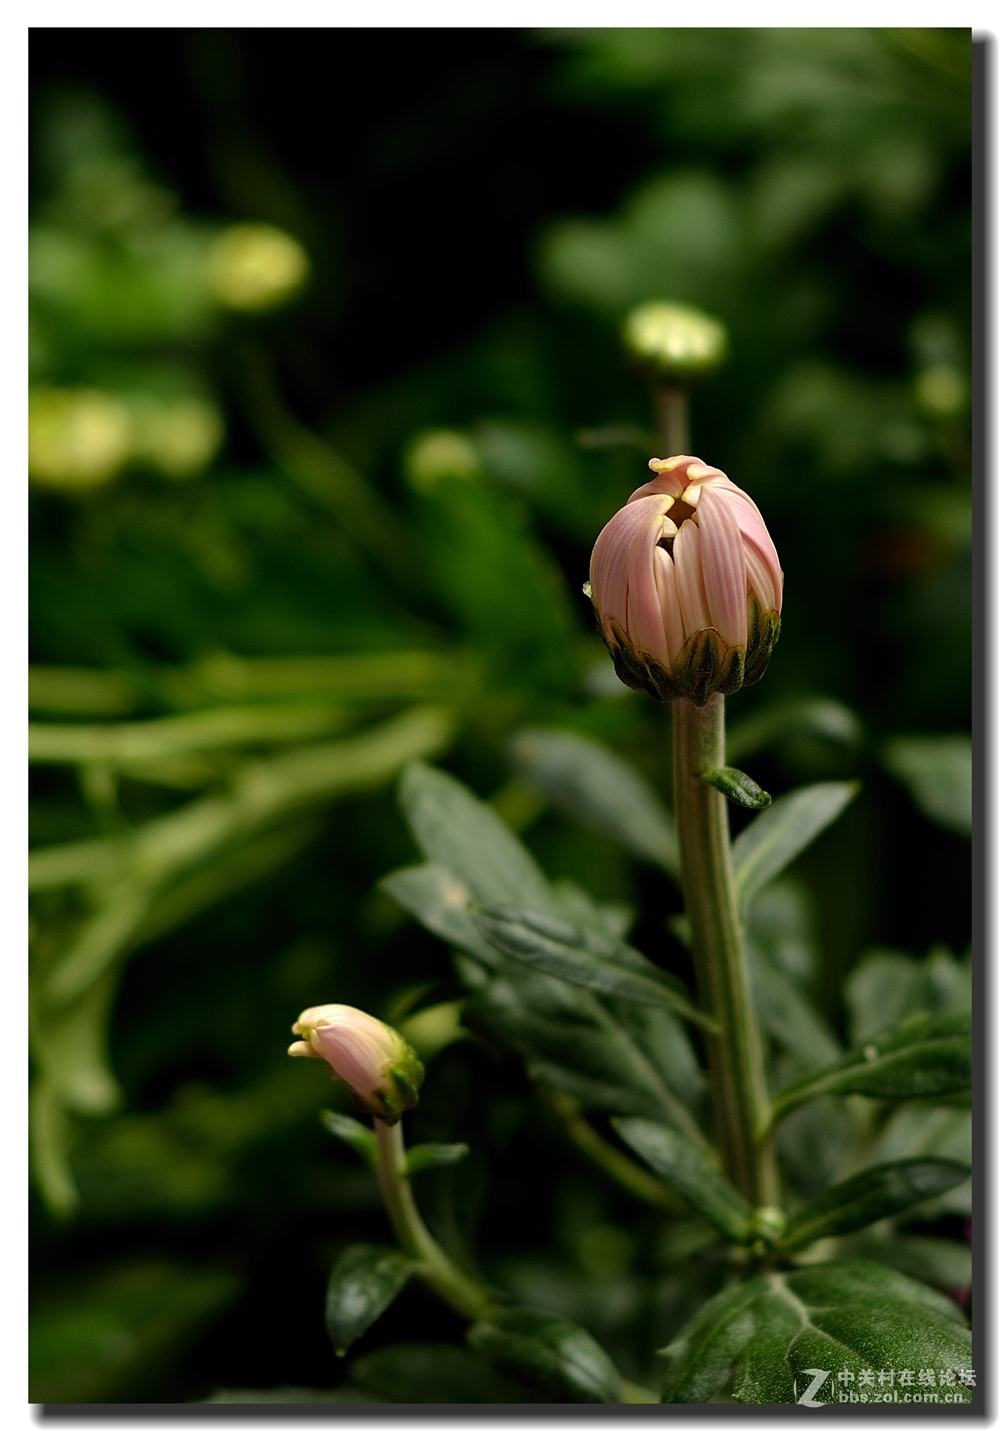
253, 267
768, 1223
674, 343
377, 1064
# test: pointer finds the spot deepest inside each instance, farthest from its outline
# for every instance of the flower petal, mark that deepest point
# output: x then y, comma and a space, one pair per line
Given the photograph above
665, 576
621, 572
723, 567
690, 587
759, 579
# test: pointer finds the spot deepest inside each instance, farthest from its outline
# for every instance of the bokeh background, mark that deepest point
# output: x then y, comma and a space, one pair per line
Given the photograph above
328, 406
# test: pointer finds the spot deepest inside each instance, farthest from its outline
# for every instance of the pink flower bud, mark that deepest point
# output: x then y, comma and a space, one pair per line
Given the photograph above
378, 1066
686, 585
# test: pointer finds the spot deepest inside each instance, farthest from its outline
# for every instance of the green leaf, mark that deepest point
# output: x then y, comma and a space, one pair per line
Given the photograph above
737, 787
591, 961
937, 1260
785, 1013
887, 986
775, 1330
440, 901
813, 715
925, 1057
917, 1130
937, 771
558, 1357
365, 1280
419, 1372
592, 784
463, 835
689, 1173
782, 832
878, 1192
355, 1134
434, 1155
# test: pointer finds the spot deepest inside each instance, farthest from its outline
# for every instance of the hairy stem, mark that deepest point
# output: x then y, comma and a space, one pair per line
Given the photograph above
467, 1297
739, 1094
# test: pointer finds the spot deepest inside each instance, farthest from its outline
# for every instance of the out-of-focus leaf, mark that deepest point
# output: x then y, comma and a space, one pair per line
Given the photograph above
562, 1360
434, 1028
419, 1372
353, 1133
554, 947
887, 986
787, 1015
776, 1329
576, 905
594, 785
108, 1338
869, 1196
289, 1395
690, 1173
937, 1260
812, 1144
440, 901
937, 771
918, 1131
464, 836
925, 1057
68, 690
816, 715
434, 1155
364, 1281
778, 835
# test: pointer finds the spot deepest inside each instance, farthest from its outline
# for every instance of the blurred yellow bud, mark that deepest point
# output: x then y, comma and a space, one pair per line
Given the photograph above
942, 390
440, 453
675, 342
78, 438
256, 266
178, 437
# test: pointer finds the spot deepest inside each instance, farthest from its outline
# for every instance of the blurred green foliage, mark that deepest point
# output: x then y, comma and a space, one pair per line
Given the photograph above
289, 536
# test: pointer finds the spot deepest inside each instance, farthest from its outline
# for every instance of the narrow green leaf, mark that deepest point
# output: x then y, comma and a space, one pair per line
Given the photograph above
782, 832
924, 1057
412, 1373
364, 1281
464, 836
878, 1192
440, 901
592, 784
353, 1133
689, 1173
737, 787
581, 957
937, 1260
434, 1155
559, 1358
800, 715
786, 1014
843, 1317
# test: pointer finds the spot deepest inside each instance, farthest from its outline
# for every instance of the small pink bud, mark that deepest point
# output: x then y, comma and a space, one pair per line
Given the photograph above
377, 1064
686, 585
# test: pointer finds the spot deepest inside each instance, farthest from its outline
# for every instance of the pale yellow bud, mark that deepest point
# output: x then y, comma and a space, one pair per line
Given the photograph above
252, 267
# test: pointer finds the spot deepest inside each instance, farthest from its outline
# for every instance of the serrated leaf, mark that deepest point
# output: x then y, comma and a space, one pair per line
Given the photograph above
689, 1173
924, 1057
365, 1280
839, 1316
581, 957
558, 1357
867, 1197
777, 836
592, 784
937, 771
737, 786
434, 1155
353, 1133
463, 835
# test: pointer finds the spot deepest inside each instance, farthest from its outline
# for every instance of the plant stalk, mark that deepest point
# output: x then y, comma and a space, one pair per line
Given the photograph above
672, 419
467, 1297
739, 1093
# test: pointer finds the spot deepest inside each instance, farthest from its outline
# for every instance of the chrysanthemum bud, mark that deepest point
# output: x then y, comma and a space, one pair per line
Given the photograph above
673, 342
686, 585
378, 1066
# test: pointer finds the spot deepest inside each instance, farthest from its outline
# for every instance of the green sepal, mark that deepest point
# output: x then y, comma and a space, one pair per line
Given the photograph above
562, 1360
869, 1196
689, 1173
399, 1089
433, 1155
365, 1280
776, 1329
353, 1133
737, 787
926, 1056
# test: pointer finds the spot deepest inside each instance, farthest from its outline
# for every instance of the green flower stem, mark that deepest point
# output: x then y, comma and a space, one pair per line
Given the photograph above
622, 1170
468, 1297
739, 1094
672, 419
